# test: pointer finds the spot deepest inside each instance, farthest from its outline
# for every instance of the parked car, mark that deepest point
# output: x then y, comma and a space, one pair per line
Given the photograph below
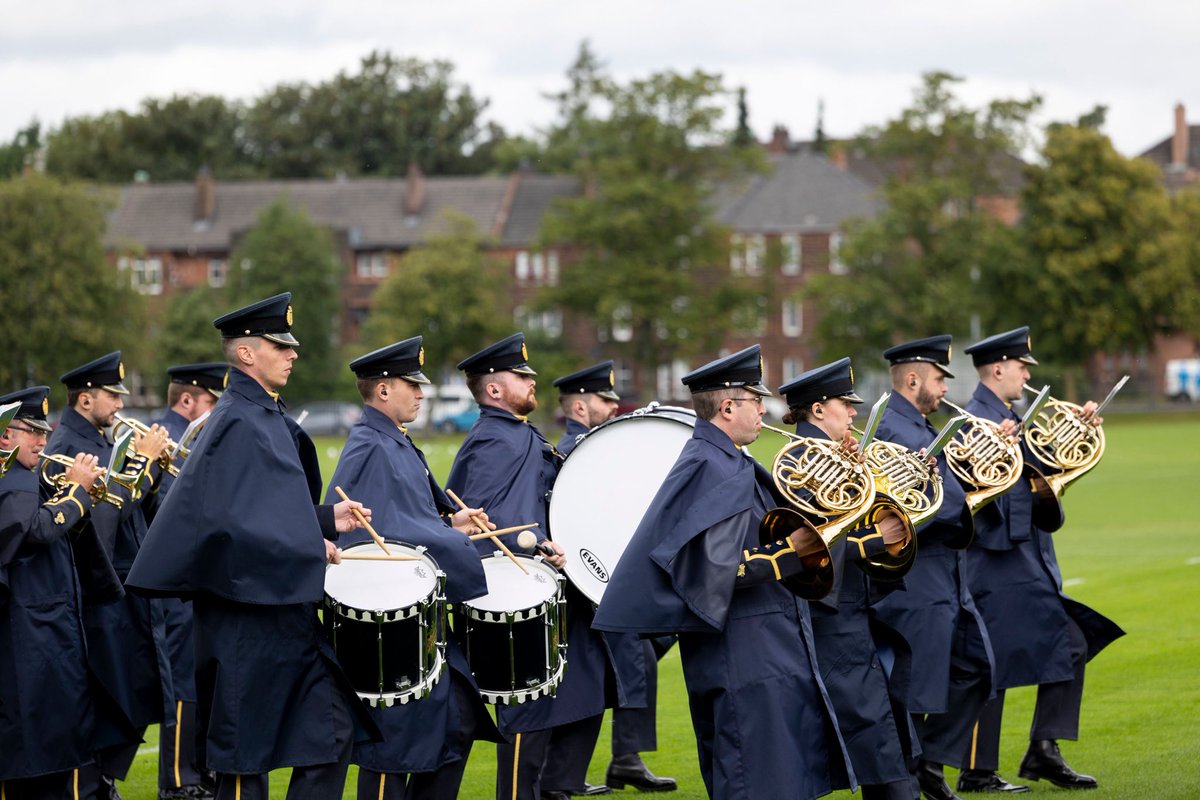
447, 408
1183, 379
328, 418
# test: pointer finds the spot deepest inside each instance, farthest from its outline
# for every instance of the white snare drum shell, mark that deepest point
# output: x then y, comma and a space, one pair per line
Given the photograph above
381, 590
513, 593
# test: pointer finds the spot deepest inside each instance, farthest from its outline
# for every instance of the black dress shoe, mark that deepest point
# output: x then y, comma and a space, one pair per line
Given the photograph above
555, 795
633, 771
590, 789
933, 782
982, 780
1044, 762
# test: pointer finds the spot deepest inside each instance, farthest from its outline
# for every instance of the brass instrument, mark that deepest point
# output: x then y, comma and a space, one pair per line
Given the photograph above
173, 449
988, 461
1062, 439
7, 457
98, 490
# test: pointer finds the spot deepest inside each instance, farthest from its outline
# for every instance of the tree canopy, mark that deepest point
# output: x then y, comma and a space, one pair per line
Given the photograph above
287, 251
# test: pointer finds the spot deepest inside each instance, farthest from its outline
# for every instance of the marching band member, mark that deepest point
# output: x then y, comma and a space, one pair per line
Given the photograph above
242, 535
1039, 635
193, 391
587, 399
125, 636
871, 710
46, 711
425, 742
507, 466
935, 614
763, 722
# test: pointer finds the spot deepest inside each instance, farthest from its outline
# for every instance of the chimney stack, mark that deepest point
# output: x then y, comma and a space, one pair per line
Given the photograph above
781, 140
414, 190
837, 154
206, 195
1179, 142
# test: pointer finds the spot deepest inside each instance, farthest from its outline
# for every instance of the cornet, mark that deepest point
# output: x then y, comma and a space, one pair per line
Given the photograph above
98, 490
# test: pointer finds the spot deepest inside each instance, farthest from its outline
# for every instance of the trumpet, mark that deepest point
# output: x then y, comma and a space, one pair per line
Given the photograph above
98, 490
988, 461
1061, 438
173, 449
7, 457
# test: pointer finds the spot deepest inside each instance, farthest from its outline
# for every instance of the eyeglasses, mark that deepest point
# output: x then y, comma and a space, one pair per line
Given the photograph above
755, 399
34, 431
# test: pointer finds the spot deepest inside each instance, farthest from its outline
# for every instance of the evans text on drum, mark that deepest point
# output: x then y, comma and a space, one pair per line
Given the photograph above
606, 485
515, 639
387, 621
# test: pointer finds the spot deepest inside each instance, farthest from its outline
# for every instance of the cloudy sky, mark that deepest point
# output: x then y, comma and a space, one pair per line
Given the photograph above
61, 58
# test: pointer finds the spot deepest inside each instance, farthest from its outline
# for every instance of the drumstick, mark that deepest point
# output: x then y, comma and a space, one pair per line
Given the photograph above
488, 534
378, 539
376, 557
483, 527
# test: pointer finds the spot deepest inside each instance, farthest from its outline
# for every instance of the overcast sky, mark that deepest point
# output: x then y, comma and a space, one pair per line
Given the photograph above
62, 58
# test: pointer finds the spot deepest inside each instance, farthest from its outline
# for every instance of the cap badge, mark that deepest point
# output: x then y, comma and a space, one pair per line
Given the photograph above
524, 352
949, 350
612, 378
45, 405
851, 374
289, 315
121, 370
420, 356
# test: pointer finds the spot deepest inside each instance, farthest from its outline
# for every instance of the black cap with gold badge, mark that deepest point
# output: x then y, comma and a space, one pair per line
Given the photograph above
930, 350
507, 355
820, 384
270, 319
400, 360
744, 368
598, 379
106, 372
35, 405
209, 375
1003, 346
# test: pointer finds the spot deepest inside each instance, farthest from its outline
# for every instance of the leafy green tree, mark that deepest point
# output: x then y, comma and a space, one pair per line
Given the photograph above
376, 121
287, 251
648, 154
168, 139
19, 153
1183, 249
187, 335
924, 264
447, 292
63, 306
1101, 274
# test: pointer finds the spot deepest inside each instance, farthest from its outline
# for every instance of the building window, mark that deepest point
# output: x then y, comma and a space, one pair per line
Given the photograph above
737, 255
622, 377
791, 368
836, 265
670, 378
789, 244
522, 266
756, 252
145, 274
372, 265
793, 318
622, 324
552, 268
217, 268
537, 269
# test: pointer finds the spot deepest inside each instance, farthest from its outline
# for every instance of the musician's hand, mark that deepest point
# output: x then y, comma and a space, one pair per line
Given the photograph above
333, 553
1088, 413
84, 470
850, 445
152, 444
559, 559
462, 521
344, 519
894, 534
1008, 427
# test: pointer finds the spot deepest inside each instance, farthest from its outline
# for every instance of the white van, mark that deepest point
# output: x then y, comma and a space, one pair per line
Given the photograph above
1183, 379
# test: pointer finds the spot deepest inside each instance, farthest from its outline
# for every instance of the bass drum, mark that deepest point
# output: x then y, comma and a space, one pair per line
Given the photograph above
606, 485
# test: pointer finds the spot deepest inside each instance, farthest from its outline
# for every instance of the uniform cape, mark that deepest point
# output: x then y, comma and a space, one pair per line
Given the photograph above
218, 519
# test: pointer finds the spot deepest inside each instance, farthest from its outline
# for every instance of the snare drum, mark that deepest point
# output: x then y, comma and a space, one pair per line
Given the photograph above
606, 485
515, 639
387, 621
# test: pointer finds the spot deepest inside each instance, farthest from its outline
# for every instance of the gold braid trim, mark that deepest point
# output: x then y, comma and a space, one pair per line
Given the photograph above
773, 558
862, 551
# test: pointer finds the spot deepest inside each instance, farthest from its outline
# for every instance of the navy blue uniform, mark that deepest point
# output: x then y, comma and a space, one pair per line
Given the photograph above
241, 535
1015, 579
952, 656
507, 467
864, 664
382, 468
763, 721
126, 638
570, 437
46, 715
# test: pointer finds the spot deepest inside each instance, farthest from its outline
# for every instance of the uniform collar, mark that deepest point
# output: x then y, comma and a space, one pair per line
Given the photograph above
987, 397
242, 384
811, 431
901, 405
708, 432
76, 422
376, 420
575, 427
499, 413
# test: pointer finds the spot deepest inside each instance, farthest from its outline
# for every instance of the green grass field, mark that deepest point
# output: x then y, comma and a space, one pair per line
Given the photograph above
1130, 549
